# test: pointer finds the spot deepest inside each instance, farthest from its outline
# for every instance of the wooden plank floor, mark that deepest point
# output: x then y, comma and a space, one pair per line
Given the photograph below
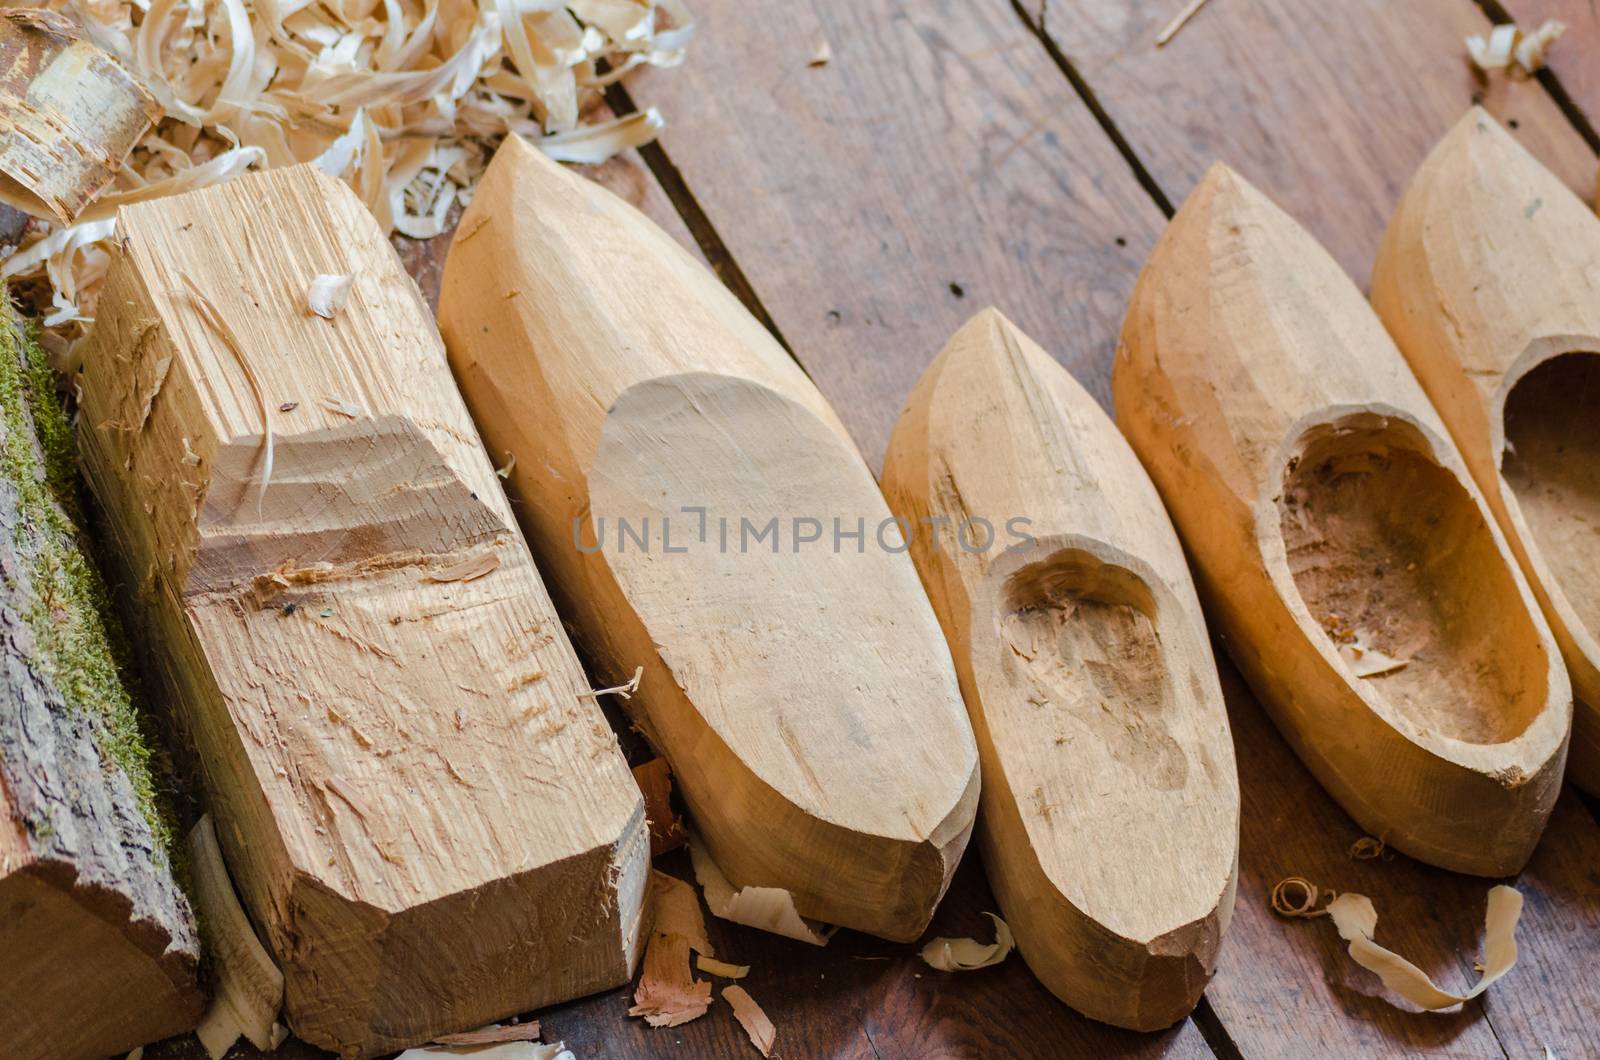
960, 153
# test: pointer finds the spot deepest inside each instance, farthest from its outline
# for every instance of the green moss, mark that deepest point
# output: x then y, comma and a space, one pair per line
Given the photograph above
80, 644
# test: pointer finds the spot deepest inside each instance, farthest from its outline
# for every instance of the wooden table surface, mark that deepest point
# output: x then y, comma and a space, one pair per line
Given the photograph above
955, 154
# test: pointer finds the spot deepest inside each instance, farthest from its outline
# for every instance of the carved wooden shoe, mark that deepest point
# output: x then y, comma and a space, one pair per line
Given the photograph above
685, 486
1363, 588
1086, 670
1489, 280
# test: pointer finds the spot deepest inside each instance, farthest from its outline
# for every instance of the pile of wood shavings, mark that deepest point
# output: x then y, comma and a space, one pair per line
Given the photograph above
403, 99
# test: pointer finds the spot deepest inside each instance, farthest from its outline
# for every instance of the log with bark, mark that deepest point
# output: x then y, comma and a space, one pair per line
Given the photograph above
1489, 280
683, 482
99, 943
421, 803
1361, 583
1087, 673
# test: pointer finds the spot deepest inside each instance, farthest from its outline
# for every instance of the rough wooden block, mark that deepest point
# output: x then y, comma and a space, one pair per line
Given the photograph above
420, 801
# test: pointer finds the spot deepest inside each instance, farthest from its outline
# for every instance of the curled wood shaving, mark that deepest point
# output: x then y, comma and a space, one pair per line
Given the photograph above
1357, 922
1510, 49
722, 969
668, 993
677, 911
754, 1021
328, 293
1368, 848
69, 115
510, 465
666, 828
249, 986
402, 99
1296, 896
768, 908
968, 955
1179, 20
498, 1051
493, 1034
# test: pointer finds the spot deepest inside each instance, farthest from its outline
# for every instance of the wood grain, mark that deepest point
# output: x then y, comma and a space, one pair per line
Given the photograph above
938, 162
420, 802
1326, 107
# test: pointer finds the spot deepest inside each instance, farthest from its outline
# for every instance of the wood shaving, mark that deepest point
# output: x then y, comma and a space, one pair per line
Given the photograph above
821, 56
668, 994
1368, 848
341, 407
754, 1021
509, 466
467, 570
404, 100
249, 986
626, 690
666, 828
968, 955
721, 969
499, 1051
492, 1034
1179, 20
1508, 48
1357, 922
677, 911
768, 908
69, 115
1297, 897
328, 293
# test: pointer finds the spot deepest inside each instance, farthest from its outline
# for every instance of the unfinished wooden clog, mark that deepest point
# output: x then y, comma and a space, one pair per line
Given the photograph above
1361, 584
1087, 673
685, 487
1489, 281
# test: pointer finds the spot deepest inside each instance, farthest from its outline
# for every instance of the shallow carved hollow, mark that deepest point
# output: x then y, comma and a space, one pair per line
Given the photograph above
1085, 634
1392, 555
1552, 464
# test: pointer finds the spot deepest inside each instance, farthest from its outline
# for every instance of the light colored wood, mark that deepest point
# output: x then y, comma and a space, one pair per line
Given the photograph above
1110, 804
802, 692
1326, 508
423, 807
1489, 280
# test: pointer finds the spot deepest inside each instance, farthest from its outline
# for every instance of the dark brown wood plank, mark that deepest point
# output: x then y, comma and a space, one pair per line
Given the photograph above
1575, 58
1328, 108
1283, 983
938, 163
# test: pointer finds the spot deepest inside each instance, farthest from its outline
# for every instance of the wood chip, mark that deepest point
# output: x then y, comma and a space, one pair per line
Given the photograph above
495, 1032
667, 832
768, 908
344, 408
721, 969
467, 570
750, 1016
968, 955
677, 911
1180, 20
1508, 48
328, 293
497, 1051
822, 55
668, 994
